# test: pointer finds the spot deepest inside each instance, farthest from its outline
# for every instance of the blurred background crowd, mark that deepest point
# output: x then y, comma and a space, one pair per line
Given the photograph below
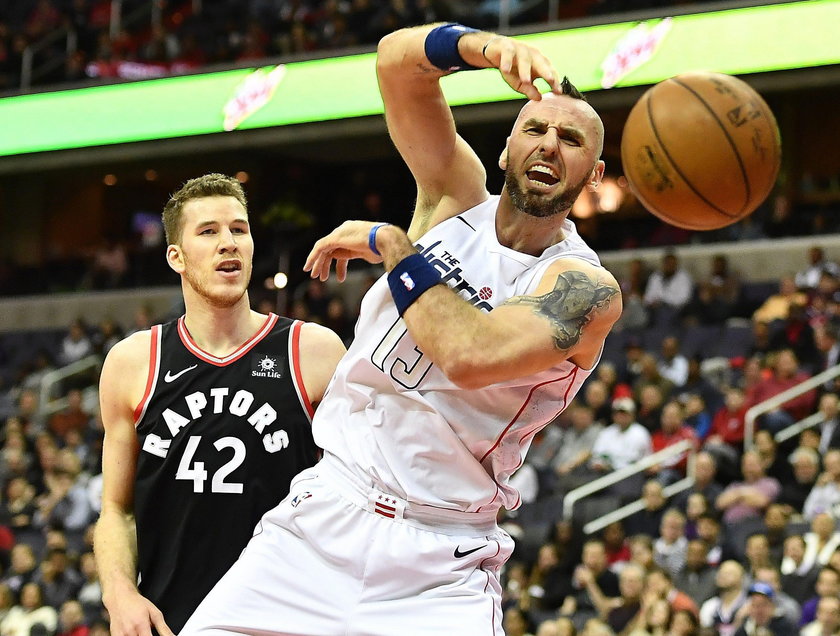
751, 545
190, 35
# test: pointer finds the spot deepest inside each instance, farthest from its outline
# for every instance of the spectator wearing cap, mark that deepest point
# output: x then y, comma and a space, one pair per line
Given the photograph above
748, 499
828, 619
786, 605
761, 614
622, 442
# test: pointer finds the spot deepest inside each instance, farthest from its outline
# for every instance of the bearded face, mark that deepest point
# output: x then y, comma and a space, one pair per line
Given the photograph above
538, 204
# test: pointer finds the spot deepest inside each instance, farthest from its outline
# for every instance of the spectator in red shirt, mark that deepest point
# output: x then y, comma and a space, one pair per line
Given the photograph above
616, 544
73, 417
726, 434
672, 431
786, 374
72, 619
728, 422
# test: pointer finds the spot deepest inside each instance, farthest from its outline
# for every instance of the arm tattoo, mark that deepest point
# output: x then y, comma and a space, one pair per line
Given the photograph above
569, 306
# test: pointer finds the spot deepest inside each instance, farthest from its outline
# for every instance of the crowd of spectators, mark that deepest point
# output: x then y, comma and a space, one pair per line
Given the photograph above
751, 545
190, 35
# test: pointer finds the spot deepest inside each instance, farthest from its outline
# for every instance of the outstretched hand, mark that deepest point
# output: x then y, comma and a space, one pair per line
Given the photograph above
521, 65
349, 240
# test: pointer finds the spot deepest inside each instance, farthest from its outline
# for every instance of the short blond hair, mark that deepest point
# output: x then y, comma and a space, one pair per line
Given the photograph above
208, 185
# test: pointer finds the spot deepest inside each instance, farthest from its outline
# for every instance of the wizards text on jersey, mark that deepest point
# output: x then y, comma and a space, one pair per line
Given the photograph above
451, 274
240, 404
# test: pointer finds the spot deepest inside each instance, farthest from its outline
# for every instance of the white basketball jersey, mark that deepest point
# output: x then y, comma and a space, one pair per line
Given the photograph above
394, 419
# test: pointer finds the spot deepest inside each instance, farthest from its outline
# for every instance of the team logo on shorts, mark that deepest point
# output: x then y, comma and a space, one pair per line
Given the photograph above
299, 498
265, 366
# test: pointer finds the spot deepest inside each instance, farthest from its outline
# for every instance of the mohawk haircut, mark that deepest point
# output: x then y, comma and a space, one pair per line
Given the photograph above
571, 90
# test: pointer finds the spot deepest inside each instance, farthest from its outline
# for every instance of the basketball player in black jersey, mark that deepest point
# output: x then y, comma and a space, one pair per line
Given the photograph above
207, 419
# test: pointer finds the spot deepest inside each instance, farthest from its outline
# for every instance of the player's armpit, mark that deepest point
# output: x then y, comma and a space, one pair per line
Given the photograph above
578, 299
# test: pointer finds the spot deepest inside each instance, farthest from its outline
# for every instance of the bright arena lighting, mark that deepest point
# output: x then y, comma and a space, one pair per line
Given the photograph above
281, 280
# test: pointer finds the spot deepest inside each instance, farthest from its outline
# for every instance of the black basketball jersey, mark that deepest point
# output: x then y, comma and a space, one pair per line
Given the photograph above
220, 439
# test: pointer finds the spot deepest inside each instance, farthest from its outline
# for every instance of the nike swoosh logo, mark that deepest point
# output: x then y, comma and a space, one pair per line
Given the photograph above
169, 377
458, 554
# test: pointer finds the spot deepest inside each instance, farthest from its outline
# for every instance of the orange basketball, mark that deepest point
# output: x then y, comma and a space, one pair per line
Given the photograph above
701, 150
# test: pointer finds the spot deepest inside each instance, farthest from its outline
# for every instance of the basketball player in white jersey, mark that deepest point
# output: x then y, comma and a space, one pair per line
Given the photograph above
491, 315
207, 419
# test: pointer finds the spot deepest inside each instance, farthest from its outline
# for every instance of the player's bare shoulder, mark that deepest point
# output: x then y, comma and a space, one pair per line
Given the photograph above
125, 371
581, 301
320, 351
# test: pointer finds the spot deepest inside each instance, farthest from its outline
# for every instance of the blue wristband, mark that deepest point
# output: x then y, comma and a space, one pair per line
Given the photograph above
372, 237
412, 276
441, 47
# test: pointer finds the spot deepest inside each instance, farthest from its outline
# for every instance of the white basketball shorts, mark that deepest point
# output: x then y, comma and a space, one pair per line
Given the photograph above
328, 561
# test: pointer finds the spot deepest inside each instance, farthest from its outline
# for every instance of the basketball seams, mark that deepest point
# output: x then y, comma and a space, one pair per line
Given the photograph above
731, 141
674, 165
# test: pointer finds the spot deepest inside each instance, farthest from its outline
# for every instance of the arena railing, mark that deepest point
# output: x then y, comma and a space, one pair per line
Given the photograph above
777, 400
48, 405
28, 71
796, 428
602, 483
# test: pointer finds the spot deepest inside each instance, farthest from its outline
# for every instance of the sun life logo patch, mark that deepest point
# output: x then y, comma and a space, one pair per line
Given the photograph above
265, 366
